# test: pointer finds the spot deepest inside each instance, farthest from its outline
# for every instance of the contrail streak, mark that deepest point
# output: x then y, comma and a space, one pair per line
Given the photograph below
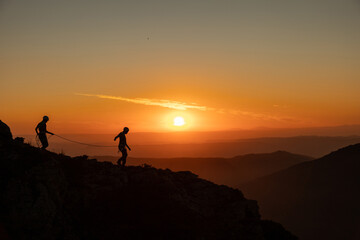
150, 102
185, 106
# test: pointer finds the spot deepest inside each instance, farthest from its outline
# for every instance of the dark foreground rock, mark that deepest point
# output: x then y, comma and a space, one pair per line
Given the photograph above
5, 133
44, 195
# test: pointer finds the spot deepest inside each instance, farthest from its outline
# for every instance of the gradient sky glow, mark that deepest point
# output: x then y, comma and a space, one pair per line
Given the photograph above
232, 64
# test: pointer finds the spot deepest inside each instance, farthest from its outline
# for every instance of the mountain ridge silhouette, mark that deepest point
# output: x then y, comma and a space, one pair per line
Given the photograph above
315, 199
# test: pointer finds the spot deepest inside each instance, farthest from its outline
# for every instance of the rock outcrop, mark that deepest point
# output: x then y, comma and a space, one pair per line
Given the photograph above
5, 133
44, 195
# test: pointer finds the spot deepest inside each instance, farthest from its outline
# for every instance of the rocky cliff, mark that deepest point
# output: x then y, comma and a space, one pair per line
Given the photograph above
44, 195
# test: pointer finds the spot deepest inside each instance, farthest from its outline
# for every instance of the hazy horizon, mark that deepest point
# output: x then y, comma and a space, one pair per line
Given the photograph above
335, 130
166, 147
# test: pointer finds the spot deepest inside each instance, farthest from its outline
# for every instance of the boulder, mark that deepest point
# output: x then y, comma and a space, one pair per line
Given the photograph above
5, 133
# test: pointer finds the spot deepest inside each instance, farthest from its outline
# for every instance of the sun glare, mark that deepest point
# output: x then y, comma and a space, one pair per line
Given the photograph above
179, 121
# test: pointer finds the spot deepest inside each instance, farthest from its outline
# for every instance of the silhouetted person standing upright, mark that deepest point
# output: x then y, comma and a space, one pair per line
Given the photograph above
122, 146
41, 132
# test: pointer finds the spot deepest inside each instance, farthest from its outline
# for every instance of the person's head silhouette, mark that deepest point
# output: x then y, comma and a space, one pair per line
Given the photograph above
126, 130
45, 118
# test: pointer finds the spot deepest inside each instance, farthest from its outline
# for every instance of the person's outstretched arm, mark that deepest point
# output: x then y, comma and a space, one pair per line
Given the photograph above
49, 132
116, 137
128, 146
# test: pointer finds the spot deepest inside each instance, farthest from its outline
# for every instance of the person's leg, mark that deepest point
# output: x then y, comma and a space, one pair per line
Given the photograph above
124, 156
119, 160
44, 141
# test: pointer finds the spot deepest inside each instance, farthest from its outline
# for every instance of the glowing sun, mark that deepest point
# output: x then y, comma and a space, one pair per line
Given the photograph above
179, 121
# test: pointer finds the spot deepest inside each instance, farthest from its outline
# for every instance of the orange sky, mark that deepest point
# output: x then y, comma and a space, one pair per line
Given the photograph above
95, 67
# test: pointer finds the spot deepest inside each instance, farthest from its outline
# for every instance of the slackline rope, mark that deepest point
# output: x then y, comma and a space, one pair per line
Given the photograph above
91, 145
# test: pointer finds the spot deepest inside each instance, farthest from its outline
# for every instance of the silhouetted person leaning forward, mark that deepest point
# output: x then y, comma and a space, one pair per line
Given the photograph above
41, 132
122, 146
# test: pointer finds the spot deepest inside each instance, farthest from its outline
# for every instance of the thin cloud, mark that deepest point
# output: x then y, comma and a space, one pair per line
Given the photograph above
151, 102
185, 106
261, 116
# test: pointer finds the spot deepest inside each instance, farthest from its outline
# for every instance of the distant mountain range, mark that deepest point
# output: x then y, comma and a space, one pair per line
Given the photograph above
228, 171
315, 200
314, 146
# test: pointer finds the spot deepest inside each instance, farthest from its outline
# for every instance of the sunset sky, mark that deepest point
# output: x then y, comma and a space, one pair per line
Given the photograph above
97, 66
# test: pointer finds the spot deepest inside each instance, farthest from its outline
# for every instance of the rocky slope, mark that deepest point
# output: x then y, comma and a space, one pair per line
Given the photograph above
44, 195
315, 200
